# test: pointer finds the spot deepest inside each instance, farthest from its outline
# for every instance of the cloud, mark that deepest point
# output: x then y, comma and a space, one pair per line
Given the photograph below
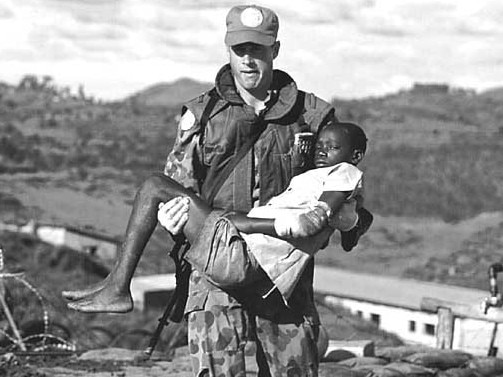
344, 47
5, 12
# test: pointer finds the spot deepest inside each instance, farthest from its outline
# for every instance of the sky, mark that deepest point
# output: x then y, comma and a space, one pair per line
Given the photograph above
334, 48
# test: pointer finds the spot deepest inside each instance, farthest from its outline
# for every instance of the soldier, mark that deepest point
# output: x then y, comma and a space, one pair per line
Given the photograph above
234, 150
242, 332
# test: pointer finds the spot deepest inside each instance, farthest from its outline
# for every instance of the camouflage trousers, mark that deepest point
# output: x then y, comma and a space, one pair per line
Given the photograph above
227, 342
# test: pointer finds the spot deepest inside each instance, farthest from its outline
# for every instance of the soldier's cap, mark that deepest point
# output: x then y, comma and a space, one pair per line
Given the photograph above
251, 23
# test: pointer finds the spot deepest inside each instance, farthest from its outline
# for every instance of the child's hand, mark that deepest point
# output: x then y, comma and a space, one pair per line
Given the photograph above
173, 215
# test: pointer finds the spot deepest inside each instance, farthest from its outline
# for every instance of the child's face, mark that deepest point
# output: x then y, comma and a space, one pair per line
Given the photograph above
332, 147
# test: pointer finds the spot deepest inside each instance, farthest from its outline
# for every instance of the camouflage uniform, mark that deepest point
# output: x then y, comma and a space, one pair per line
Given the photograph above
239, 332
223, 342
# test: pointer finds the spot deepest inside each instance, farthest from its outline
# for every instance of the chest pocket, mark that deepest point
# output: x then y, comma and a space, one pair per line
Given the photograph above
275, 161
223, 134
211, 152
214, 141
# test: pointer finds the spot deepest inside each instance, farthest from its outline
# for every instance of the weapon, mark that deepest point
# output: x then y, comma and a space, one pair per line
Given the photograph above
175, 307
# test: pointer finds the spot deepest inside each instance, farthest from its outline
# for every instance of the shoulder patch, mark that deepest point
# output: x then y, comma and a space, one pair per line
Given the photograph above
187, 121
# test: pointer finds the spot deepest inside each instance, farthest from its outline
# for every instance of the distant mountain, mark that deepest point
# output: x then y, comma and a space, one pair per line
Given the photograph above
170, 94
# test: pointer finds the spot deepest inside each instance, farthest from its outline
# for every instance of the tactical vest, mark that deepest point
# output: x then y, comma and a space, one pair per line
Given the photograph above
229, 124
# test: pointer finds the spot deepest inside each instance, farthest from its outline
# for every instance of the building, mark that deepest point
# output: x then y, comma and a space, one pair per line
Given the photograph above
395, 305
85, 240
88, 241
152, 291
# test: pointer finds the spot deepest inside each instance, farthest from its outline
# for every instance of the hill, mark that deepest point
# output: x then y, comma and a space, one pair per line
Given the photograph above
170, 94
432, 149
496, 94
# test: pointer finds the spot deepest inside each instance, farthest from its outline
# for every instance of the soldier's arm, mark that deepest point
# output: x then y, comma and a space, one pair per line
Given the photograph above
182, 163
182, 166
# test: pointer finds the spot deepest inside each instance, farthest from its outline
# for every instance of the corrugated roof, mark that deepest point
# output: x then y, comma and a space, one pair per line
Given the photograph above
406, 293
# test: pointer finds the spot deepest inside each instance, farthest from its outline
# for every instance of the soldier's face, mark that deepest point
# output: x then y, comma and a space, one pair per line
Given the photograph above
251, 66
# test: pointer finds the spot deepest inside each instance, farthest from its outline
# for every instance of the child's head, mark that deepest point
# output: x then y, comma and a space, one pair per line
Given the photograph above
339, 142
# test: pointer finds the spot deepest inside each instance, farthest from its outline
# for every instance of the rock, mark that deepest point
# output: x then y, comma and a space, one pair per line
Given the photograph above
487, 366
363, 361
398, 369
459, 372
340, 350
397, 353
440, 359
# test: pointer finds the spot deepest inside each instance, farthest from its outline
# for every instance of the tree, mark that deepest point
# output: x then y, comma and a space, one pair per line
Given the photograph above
29, 82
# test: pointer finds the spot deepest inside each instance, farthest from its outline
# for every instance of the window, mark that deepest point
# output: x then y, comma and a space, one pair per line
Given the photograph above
429, 329
90, 249
412, 326
359, 314
375, 318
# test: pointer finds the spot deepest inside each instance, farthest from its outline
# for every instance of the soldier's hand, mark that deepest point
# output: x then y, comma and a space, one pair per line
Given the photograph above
310, 223
304, 224
174, 214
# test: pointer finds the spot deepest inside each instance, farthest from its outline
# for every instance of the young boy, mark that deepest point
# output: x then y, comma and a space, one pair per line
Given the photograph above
241, 244
270, 238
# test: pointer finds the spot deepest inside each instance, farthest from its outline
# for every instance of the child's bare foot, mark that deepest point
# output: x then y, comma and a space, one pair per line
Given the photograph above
79, 294
106, 300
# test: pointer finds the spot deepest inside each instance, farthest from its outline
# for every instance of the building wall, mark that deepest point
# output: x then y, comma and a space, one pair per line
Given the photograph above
474, 336
53, 235
152, 291
410, 325
470, 335
59, 236
93, 246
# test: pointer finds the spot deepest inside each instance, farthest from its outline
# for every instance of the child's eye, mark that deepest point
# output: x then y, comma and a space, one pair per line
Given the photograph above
327, 148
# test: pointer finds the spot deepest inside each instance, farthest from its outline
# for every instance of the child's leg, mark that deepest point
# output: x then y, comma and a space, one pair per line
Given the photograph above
113, 293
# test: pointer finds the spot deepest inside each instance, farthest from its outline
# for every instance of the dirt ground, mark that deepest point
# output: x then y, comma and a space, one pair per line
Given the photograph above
98, 363
402, 361
110, 362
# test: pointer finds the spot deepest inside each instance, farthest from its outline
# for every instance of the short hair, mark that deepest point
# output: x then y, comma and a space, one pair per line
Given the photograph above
356, 135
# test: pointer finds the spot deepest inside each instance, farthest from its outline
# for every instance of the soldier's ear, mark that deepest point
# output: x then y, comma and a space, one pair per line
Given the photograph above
275, 49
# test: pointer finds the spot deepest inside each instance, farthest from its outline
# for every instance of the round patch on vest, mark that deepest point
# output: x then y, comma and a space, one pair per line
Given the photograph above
187, 121
251, 17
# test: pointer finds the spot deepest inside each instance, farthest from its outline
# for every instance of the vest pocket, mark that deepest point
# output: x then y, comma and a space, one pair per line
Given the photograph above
210, 151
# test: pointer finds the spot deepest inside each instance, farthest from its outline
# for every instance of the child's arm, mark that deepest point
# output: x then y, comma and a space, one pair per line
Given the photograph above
303, 225
247, 224
334, 199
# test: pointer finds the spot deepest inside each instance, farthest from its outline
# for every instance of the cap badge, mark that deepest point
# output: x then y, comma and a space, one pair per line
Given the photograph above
251, 17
